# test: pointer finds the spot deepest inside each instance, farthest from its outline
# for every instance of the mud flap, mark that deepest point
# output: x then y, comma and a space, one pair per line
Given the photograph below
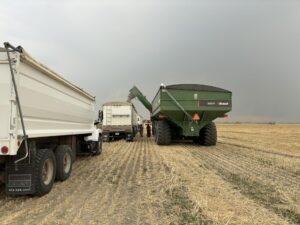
19, 180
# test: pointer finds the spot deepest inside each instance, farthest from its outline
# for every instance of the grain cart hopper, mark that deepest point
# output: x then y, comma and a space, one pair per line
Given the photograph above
45, 122
186, 111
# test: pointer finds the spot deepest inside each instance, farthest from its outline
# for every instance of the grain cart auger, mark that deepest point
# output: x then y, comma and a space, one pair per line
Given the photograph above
135, 92
186, 111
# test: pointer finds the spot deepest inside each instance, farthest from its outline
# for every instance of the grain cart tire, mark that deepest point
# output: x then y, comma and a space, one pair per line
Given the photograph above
44, 171
163, 133
64, 162
208, 135
98, 147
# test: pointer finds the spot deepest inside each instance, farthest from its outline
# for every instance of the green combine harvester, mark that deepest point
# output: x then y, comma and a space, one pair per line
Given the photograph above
186, 111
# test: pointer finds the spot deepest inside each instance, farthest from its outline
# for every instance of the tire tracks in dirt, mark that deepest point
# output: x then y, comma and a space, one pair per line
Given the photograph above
283, 162
130, 190
267, 167
255, 182
86, 211
82, 189
217, 199
234, 162
257, 149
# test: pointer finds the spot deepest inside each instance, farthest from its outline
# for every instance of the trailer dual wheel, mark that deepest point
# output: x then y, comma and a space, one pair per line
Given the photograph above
64, 162
208, 135
44, 171
162, 133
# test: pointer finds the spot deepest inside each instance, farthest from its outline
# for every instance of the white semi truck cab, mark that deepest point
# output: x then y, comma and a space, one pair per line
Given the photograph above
45, 122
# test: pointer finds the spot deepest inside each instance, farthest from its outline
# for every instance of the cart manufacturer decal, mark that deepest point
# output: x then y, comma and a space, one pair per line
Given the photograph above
213, 103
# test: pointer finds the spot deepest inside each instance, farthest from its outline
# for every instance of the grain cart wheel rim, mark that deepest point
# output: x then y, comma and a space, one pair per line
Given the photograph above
48, 171
67, 162
63, 155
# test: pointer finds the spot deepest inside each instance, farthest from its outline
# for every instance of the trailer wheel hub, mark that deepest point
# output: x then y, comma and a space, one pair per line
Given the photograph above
67, 162
48, 171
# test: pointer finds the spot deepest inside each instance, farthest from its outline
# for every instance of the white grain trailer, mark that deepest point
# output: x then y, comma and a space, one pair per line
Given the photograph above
119, 121
45, 121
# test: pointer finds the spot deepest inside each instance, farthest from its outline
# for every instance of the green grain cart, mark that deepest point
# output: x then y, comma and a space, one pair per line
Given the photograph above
186, 111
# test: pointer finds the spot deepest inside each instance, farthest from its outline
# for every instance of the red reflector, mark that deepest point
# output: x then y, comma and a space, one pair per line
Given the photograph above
4, 150
196, 117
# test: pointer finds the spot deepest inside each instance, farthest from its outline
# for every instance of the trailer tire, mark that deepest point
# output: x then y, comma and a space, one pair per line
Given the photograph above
44, 171
163, 133
208, 135
64, 162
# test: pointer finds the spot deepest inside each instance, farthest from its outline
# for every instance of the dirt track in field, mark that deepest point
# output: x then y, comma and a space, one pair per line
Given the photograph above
251, 177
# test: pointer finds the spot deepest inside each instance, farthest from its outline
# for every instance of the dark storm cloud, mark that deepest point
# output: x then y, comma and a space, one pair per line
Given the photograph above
250, 47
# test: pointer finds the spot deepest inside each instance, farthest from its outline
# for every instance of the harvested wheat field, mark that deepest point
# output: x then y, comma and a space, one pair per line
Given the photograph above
251, 177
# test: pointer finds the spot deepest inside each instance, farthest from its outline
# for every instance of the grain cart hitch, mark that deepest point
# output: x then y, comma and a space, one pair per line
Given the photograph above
25, 137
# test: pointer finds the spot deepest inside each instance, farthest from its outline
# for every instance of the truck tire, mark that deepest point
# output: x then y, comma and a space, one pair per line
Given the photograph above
208, 135
106, 138
163, 133
64, 162
98, 147
44, 171
129, 137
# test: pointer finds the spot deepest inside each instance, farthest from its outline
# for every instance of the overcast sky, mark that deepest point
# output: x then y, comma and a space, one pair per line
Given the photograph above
251, 47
